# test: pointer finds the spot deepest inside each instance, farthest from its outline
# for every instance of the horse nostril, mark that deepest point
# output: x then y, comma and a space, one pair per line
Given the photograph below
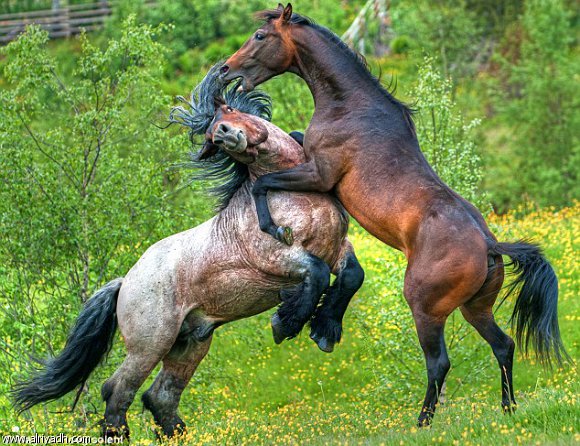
224, 128
224, 69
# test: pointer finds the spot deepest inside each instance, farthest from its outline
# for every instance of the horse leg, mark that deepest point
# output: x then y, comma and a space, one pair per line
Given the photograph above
150, 328
326, 326
302, 178
478, 312
441, 276
119, 391
503, 348
299, 303
431, 338
162, 398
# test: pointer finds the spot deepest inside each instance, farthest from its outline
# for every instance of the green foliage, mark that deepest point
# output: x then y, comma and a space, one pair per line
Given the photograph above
447, 30
205, 31
14, 6
446, 140
541, 102
401, 44
495, 15
84, 182
85, 189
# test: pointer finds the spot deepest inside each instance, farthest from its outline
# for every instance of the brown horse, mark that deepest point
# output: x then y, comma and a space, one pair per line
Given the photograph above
361, 142
186, 285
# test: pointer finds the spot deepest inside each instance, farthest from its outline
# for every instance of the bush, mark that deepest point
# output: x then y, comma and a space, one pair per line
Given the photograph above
446, 140
540, 103
401, 44
84, 184
446, 30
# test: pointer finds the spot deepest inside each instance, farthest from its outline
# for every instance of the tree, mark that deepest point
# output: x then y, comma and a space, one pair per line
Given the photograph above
542, 103
83, 174
446, 140
446, 30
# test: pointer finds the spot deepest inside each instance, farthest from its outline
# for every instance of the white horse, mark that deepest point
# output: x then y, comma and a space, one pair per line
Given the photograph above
186, 285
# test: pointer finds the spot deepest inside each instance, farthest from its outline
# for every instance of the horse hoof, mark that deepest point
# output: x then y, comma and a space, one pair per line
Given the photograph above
509, 408
112, 434
424, 422
284, 235
203, 333
323, 343
277, 329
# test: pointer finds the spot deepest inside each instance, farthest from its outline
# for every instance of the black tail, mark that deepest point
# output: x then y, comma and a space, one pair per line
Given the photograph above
535, 316
89, 341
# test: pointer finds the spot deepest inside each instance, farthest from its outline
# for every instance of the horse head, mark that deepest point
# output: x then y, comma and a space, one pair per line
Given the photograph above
238, 134
270, 51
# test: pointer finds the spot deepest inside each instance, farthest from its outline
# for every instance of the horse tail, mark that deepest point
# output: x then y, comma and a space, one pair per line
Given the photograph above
535, 315
88, 343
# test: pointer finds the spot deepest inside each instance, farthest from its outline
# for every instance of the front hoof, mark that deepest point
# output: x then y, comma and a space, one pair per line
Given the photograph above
277, 329
203, 332
324, 344
284, 235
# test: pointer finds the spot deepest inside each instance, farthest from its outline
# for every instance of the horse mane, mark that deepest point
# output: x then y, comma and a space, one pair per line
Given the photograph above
357, 58
198, 114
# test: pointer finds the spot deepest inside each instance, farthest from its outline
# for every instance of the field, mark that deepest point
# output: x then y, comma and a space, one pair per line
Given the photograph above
90, 176
250, 391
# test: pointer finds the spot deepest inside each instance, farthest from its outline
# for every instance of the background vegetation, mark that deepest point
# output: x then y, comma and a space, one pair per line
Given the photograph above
88, 180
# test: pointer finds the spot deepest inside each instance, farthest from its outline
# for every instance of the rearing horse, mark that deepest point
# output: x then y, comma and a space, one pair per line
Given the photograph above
361, 142
186, 285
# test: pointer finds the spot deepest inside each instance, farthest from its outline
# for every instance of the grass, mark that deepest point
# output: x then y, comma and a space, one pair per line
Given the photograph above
250, 391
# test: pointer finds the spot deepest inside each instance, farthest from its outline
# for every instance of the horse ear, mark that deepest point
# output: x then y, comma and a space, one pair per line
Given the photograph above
208, 150
287, 13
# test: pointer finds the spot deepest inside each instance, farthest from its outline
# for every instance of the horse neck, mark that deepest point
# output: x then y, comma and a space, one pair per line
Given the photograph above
279, 152
329, 71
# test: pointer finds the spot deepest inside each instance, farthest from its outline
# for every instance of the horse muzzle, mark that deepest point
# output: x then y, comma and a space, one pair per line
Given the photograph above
230, 138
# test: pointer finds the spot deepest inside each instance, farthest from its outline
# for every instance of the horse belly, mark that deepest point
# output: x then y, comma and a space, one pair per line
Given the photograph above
239, 293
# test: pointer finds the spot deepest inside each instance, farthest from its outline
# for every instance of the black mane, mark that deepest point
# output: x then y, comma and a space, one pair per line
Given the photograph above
357, 58
197, 116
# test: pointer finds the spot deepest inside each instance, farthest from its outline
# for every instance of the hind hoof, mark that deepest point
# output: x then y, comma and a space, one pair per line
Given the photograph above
284, 234
115, 435
324, 344
509, 408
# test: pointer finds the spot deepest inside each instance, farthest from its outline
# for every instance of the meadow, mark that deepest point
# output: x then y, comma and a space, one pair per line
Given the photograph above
90, 177
250, 391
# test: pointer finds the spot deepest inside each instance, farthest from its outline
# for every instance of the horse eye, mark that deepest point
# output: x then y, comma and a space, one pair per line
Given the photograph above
229, 109
259, 36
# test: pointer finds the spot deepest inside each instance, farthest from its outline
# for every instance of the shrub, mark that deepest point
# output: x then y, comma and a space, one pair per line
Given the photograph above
84, 185
541, 105
447, 141
446, 30
401, 44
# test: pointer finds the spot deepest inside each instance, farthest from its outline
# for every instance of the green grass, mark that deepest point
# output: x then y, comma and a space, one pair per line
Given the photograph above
250, 391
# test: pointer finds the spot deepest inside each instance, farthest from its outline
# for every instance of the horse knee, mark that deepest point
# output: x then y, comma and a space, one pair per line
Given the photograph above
319, 275
353, 274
